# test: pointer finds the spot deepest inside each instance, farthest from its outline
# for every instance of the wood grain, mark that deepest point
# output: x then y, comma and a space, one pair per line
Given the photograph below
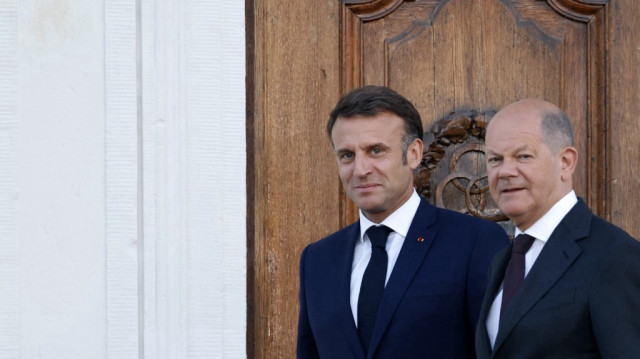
455, 55
295, 186
445, 56
623, 106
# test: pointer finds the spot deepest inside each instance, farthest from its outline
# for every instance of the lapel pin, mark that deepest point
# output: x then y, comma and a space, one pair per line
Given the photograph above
420, 239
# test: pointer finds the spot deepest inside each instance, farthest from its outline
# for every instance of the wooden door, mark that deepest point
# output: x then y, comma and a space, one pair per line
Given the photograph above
459, 61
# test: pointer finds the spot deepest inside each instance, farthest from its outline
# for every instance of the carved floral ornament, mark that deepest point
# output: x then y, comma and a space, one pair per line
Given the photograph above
578, 10
452, 173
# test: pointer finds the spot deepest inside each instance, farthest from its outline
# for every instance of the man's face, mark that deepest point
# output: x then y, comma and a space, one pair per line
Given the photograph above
525, 176
369, 154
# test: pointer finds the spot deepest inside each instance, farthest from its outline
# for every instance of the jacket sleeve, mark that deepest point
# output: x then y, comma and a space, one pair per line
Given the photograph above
306, 345
614, 302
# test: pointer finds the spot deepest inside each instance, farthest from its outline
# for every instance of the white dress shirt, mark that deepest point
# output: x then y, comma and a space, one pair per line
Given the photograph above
541, 231
399, 221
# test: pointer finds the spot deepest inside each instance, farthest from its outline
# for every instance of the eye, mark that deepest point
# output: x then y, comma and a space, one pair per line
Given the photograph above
345, 156
493, 160
377, 150
525, 156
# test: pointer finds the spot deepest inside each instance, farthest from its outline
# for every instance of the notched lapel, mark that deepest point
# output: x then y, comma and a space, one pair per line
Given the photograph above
348, 326
558, 254
414, 250
496, 276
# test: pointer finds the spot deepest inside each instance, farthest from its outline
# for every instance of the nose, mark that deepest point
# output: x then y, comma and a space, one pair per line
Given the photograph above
507, 169
361, 166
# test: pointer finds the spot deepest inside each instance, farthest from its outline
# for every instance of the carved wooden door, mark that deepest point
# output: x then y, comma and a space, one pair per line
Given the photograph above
459, 61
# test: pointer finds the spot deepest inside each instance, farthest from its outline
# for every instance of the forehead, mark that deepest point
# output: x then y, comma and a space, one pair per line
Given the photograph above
513, 129
380, 127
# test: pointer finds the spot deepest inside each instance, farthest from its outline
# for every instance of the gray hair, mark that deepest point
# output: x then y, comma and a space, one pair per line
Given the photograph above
556, 129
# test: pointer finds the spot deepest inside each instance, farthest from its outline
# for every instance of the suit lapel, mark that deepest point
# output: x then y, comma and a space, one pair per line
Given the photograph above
409, 260
347, 324
558, 254
496, 276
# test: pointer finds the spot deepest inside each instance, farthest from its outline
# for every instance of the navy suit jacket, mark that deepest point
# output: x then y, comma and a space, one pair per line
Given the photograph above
430, 304
581, 298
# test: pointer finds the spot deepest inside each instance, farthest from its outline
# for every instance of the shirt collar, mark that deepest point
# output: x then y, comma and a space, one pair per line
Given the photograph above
399, 221
543, 227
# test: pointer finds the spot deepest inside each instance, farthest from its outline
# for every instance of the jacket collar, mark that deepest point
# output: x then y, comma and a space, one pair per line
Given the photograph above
556, 257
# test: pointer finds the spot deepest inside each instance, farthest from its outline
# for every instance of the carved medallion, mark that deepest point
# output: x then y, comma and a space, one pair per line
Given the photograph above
453, 173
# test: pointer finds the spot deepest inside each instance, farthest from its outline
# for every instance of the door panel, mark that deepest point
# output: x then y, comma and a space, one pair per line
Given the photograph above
454, 56
459, 61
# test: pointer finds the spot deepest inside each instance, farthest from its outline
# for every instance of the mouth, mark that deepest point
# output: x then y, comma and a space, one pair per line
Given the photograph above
511, 190
365, 187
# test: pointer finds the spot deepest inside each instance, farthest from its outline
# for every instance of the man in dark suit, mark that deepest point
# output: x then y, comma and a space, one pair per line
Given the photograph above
575, 291
407, 279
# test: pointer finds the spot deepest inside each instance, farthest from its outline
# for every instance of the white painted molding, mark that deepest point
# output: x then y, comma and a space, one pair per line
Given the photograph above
215, 70
150, 199
173, 281
194, 185
9, 242
164, 122
121, 185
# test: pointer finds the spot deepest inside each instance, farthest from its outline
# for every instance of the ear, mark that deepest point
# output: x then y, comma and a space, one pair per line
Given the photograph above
569, 160
414, 153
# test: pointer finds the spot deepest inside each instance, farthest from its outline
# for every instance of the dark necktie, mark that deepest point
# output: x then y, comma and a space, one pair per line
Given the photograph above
514, 275
372, 285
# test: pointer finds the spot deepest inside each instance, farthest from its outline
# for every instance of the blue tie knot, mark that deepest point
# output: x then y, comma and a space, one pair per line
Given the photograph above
378, 236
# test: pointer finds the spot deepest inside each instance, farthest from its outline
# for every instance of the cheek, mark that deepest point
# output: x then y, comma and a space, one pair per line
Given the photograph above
344, 171
492, 177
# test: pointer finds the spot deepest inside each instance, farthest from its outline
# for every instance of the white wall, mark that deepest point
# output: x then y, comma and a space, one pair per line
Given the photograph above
122, 179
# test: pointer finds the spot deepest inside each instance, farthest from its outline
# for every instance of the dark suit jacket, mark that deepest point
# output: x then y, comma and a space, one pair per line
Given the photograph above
581, 298
430, 304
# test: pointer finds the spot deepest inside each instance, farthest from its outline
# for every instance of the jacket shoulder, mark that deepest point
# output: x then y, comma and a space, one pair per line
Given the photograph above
338, 238
456, 219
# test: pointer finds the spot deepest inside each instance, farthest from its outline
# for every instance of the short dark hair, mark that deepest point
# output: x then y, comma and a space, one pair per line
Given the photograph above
372, 100
556, 129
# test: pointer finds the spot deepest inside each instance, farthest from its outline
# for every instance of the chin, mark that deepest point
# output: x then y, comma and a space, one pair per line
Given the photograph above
370, 209
512, 211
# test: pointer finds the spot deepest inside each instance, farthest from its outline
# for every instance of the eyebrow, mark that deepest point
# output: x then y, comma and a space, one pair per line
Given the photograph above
518, 149
341, 150
521, 148
378, 144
